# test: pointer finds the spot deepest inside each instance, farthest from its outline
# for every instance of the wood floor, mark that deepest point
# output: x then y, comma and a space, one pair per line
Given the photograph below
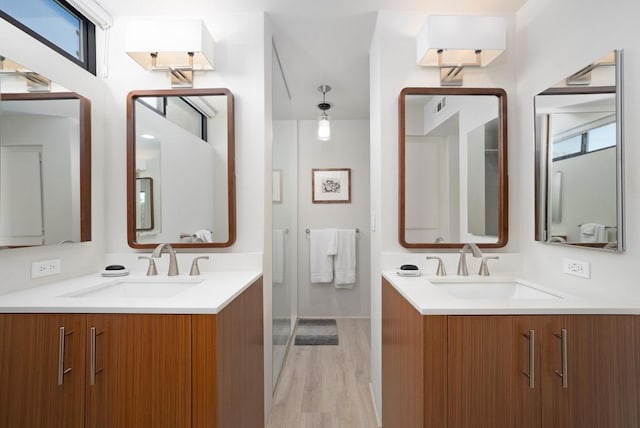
327, 386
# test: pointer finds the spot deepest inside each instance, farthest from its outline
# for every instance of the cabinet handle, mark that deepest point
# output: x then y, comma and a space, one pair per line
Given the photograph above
61, 370
532, 359
92, 362
563, 340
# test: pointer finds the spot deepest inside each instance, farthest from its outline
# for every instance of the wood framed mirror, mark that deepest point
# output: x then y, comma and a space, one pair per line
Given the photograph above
453, 182
45, 155
182, 142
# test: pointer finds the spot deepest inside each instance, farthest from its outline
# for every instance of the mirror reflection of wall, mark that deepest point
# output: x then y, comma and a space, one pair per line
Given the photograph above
451, 168
44, 163
182, 146
577, 138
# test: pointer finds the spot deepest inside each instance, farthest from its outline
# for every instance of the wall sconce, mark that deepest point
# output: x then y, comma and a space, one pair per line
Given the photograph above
324, 126
179, 47
452, 42
35, 82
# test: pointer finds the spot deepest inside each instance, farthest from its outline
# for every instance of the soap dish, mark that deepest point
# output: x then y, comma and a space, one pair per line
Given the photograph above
114, 273
409, 272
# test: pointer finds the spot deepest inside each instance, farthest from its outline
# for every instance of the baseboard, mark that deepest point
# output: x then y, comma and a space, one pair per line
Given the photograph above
373, 403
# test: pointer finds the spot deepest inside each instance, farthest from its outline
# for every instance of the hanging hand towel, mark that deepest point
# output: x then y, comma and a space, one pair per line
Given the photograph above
203, 235
323, 246
277, 246
345, 263
592, 232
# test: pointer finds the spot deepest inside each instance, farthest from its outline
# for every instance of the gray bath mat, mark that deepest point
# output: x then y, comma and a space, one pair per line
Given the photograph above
316, 332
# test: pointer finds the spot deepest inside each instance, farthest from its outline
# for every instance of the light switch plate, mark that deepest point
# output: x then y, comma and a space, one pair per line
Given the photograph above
576, 267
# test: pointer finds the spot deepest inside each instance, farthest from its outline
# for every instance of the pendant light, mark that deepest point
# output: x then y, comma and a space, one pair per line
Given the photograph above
324, 126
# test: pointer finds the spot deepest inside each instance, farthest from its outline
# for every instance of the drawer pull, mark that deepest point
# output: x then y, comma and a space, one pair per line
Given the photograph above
61, 344
565, 363
532, 359
92, 363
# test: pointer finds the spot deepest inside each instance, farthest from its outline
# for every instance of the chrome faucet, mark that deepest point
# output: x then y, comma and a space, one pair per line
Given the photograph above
462, 263
173, 261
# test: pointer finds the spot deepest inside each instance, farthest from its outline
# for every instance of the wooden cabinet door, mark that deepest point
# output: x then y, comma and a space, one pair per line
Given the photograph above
481, 372
600, 374
33, 392
142, 366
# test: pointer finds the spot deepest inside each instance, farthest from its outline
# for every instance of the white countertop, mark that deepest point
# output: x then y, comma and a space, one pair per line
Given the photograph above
429, 299
210, 296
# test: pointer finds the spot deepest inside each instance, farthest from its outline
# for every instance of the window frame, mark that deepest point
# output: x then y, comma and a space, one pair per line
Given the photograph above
584, 148
87, 37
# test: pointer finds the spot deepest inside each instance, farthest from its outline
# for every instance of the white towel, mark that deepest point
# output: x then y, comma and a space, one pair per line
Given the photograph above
203, 235
277, 246
345, 263
593, 232
323, 246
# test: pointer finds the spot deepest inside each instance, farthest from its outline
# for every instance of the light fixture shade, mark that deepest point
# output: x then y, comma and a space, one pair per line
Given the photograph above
172, 40
324, 128
460, 36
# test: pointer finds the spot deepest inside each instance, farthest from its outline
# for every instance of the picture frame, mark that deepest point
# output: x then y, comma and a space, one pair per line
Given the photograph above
276, 191
331, 186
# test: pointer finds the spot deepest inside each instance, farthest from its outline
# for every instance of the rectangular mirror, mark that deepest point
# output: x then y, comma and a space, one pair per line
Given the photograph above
45, 160
453, 167
181, 161
578, 128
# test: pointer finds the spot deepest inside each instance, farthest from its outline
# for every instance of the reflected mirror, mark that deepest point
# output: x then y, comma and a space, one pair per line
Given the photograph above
453, 167
579, 158
144, 207
180, 168
45, 160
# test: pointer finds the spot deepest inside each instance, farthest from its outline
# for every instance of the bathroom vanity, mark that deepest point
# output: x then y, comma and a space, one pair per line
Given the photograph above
506, 362
74, 355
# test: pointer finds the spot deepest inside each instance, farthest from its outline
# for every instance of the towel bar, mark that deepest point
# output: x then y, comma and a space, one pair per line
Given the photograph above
308, 231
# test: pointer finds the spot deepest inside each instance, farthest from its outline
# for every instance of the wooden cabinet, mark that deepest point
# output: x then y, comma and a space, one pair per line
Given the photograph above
42, 370
134, 370
481, 375
140, 372
585, 371
542, 371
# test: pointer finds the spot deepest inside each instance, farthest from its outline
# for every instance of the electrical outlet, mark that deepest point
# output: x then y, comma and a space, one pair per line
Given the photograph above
45, 268
576, 268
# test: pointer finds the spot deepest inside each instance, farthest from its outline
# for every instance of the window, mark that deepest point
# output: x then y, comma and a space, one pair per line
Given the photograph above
56, 24
598, 138
180, 110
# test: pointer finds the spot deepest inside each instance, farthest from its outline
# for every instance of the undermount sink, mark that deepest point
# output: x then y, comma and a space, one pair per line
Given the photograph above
492, 289
138, 288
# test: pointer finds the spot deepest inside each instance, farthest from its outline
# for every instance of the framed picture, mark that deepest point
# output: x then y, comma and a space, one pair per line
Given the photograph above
331, 185
276, 196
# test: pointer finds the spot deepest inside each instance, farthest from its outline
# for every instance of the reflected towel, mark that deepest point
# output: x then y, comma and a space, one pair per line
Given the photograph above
345, 263
277, 247
323, 246
593, 232
203, 235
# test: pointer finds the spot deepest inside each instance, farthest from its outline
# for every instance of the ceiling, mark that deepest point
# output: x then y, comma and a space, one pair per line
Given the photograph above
319, 42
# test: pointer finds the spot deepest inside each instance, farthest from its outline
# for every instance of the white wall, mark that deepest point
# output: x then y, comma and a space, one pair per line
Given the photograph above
80, 258
348, 148
552, 45
392, 67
